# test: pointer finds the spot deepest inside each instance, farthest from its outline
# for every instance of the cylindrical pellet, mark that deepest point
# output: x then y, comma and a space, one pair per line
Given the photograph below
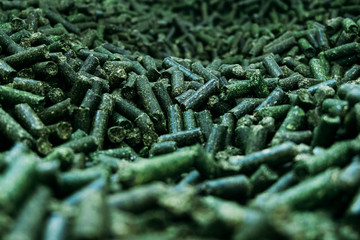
202, 94
162, 148
177, 83
150, 102
273, 156
138, 198
337, 154
175, 120
236, 187
189, 119
90, 222
325, 132
216, 140
183, 138
159, 167
30, 120
28, 227
28, 56
16, 182
12, 130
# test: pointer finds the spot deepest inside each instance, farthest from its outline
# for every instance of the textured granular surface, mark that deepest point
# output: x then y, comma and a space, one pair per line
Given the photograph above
179, 119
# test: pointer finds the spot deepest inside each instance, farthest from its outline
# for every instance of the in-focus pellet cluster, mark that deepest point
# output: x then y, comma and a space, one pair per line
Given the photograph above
179, 120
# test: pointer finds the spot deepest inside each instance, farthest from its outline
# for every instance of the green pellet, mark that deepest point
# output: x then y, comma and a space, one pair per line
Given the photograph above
169, 165
27, 57
295, 120
306, 48
13, 96
17, 181
318, 69
336, 155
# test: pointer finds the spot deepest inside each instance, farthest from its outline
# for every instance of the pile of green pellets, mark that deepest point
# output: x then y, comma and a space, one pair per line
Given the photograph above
189, 119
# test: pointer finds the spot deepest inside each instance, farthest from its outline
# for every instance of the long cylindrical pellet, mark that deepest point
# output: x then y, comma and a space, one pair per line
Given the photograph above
12, 130
57, 18
228, 120
308, 50
29, 85
237, 89
175, 119
291, 82
121, 153
318, 69
30, 120
56, 111
177, 83
162, 148
16, 182
168, 62
198, 68
184, 96
7, 43
276, 97
138, 198
273, 156
150, 102
205, 122
272, 67
246, 106
13, 96
76, 179
28, 56
202, 94
162, 95
337, 154
121, 121
216, 140
84, 144
159, 167
304, 195
284, 182
99, 127
45, 69
183, 138
35, 206
90, 222
236, 187
342, 51
189, 119
276, 112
